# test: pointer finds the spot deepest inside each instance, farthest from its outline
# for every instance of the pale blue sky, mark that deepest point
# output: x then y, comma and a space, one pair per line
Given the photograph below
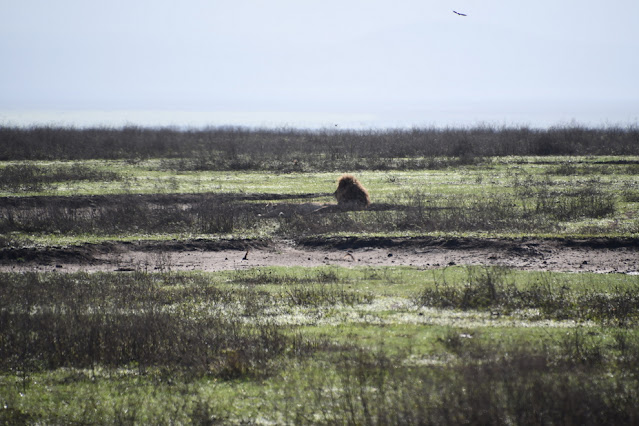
318, 62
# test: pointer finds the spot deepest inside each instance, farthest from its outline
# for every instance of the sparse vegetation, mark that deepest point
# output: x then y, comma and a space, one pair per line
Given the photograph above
308, 346
538, 208
492, 289
516, 195
329, 345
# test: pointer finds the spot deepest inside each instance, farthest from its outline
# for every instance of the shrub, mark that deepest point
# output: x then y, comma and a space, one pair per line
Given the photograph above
109, 320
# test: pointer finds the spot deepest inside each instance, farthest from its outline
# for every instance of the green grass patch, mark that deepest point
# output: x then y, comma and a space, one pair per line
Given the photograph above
318, 345
499, 196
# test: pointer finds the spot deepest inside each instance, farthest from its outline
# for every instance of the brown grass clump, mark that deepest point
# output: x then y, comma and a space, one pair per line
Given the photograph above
350, 192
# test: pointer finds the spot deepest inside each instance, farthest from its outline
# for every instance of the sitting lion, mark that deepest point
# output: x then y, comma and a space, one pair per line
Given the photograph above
350, 192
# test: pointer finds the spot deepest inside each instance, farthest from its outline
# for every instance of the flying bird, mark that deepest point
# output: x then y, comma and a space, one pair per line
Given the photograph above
460, 14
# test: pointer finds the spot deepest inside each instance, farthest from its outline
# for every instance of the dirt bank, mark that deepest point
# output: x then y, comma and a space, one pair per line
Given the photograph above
601, 255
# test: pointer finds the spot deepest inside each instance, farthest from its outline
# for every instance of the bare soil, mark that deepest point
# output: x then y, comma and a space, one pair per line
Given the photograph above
602, 255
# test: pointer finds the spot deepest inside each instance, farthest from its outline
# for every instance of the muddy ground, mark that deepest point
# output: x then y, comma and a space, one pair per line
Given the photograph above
603, 255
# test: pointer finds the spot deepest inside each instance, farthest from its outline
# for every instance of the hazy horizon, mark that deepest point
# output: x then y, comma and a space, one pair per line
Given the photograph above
451, 116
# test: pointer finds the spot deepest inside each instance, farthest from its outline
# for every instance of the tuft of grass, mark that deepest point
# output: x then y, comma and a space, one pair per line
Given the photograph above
277, 276
322, 295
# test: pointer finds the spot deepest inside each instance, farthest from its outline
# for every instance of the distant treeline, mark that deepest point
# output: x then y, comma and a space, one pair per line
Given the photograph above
259, 145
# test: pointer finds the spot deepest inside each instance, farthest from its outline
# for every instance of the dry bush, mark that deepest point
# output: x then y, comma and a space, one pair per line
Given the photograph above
548, 385
235, 148
81, 320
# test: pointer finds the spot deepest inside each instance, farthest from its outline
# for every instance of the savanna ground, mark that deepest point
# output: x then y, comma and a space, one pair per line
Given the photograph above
207, 276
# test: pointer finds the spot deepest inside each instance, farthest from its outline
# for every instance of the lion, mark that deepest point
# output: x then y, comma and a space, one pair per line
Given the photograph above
350, 192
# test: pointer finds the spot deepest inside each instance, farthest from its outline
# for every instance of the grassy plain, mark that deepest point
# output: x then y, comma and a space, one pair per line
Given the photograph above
328, 345
299, 345
497, 197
